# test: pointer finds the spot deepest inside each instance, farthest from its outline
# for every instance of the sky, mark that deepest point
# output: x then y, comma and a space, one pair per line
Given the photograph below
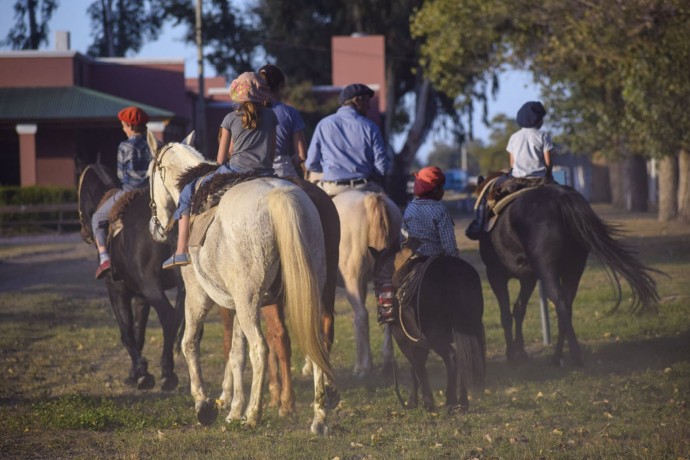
515, 87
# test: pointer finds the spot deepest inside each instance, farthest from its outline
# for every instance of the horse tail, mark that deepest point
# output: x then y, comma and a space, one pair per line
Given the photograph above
300, 278
470, 358
618, 258
468, 329
379, 221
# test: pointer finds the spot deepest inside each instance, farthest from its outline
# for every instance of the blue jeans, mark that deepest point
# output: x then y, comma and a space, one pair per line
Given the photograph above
99, 220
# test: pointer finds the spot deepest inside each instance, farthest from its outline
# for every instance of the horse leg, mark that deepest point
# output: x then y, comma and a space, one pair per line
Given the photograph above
419, 366
570, 280
197, 306
499, 284
155, 295
227, 317
519, 309
121, 303
247, 317
141, 309
232, 384
356, 292
564, 313
279, 350
448, 355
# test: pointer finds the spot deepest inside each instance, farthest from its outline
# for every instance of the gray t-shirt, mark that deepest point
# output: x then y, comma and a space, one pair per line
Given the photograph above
528, 146
253, 148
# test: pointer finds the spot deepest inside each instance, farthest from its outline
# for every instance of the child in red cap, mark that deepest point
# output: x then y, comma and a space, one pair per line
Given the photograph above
133, 158
426, 217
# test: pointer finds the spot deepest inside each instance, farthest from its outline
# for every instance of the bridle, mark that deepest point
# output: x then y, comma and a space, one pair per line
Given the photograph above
158, 166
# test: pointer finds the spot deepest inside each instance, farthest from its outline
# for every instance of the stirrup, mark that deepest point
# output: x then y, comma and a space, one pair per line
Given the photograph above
176, 260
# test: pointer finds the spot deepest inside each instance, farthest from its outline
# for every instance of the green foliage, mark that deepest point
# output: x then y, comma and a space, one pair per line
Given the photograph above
493, 156
11, 195
230, 37
30, 29
119, 27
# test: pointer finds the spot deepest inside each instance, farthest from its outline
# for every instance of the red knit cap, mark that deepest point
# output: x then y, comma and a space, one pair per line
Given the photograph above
133, 116
427, 180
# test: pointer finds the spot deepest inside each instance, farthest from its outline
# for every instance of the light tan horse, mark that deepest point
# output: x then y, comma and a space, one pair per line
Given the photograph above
265, 230
369, 232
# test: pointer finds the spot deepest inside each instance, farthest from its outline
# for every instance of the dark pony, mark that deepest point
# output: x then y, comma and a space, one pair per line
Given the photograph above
546, 234
136, 281
444, 296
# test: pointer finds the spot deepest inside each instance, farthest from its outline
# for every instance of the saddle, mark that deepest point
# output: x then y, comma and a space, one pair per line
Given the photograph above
115, 224
207, 195
502, 191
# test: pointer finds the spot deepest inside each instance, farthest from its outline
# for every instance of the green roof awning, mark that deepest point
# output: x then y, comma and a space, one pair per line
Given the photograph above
69, 103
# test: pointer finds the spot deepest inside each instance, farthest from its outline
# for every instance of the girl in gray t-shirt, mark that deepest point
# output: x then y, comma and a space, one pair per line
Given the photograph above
247, 137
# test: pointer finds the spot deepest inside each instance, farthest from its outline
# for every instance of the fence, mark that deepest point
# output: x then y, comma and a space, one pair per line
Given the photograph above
58, 216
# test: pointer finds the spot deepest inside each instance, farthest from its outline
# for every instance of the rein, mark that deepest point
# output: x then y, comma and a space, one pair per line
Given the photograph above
158, 165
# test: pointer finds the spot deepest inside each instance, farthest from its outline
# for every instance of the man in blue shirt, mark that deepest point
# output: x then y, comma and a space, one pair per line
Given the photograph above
347, 148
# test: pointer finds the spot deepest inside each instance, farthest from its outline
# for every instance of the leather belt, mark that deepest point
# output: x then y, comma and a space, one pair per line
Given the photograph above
351, 182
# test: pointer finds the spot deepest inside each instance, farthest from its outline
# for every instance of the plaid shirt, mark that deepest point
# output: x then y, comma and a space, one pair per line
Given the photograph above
429, 221
133, 158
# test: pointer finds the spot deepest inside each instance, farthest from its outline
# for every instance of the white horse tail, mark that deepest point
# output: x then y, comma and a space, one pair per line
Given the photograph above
300, 280
378, 220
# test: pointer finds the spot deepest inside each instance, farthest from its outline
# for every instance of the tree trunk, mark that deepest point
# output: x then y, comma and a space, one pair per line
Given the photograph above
601, 184
425, 113
635, 180
684, 185
34, 34
668, 188
617, 186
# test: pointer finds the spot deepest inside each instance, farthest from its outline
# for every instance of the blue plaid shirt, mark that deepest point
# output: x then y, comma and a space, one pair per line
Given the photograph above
133, 158
429, 221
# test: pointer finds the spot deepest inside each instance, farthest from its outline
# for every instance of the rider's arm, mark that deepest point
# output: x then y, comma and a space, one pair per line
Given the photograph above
224, 146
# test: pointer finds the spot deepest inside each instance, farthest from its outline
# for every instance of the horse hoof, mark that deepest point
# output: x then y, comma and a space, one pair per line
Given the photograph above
285, 411
146, 382
557, 361
319, 428
170, 382
130, 381
251, 422
578, 362
332, 397
207, 412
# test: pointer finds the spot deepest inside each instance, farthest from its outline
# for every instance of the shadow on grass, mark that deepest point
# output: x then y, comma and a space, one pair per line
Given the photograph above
622, 358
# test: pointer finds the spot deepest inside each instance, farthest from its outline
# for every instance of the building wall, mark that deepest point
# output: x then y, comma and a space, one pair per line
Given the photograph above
38, 70
158, 84
360, 60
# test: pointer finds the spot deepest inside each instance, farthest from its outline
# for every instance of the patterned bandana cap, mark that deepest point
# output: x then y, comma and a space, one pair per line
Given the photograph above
427, 180
249, 87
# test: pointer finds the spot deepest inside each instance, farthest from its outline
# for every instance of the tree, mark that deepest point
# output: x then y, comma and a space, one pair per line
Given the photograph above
614, 73
31, 24
120, 26
228, 35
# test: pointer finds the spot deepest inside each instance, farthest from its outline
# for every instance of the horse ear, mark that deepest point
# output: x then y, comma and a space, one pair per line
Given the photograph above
189, 140
152, 141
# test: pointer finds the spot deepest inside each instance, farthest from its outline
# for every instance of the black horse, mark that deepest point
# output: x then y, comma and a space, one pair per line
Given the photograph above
136, 281
546, 234
443, 295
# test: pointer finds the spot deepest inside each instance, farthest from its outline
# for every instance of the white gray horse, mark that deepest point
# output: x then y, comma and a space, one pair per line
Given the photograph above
369, 225
263, 229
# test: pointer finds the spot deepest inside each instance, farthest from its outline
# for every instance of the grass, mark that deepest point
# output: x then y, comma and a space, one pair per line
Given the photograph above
61, 390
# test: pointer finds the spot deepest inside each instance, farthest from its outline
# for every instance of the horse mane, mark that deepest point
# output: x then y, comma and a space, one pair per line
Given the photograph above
118, 210
481, 184
94, 183
195, 172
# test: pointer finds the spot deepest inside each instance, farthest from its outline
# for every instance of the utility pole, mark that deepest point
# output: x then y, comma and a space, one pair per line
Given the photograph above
201, 100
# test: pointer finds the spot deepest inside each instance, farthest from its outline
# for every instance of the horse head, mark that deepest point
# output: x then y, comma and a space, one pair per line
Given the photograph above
169, 162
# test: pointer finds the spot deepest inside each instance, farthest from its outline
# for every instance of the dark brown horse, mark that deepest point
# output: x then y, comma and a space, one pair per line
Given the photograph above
546, 234
136, 281
444, 296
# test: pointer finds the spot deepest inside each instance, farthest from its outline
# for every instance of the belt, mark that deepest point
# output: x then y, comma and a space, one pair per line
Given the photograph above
351, 182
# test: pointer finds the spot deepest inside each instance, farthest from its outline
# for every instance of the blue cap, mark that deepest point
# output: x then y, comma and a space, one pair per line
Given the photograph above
530, 114
354, 90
